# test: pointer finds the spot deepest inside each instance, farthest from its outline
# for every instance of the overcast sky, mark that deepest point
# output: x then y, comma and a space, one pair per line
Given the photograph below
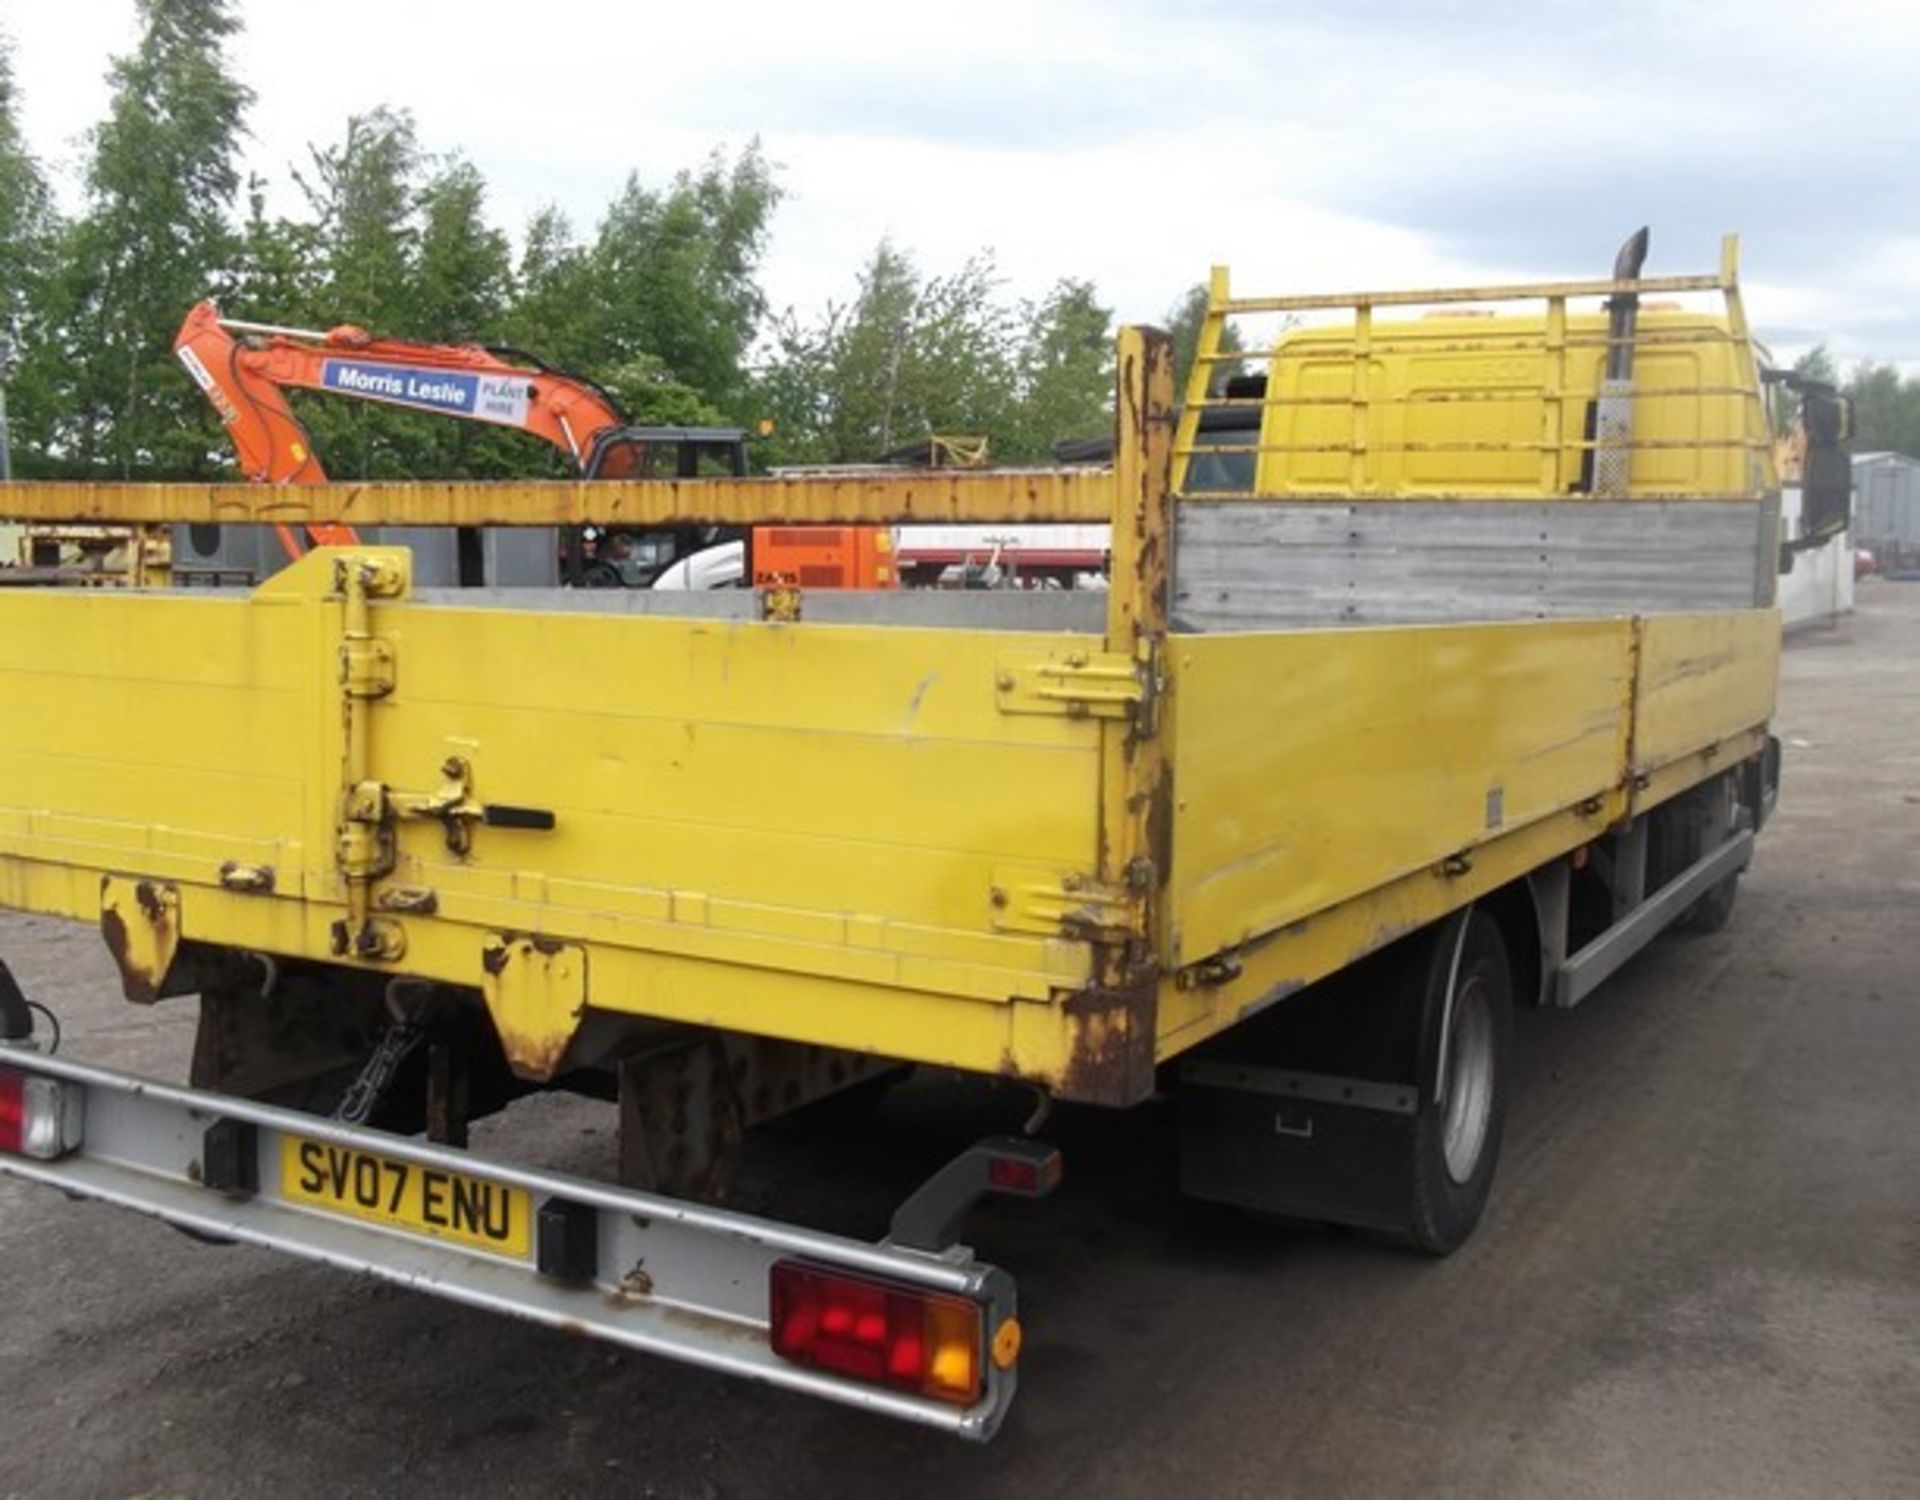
1311, 147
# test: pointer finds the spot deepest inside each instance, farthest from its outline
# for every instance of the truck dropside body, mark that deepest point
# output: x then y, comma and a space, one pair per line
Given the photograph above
1423, 636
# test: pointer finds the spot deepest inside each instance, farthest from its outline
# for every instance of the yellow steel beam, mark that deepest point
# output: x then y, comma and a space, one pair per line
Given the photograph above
1213, 329
1112, 1054
1651, 286
1084, 495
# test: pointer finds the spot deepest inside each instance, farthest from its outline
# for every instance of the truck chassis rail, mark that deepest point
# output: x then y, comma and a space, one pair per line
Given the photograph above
677, 1279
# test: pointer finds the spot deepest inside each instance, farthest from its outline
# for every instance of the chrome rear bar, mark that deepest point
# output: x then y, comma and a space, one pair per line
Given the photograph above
657, 1274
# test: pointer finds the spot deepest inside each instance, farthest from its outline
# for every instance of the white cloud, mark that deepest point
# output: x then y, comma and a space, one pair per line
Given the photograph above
1309, 146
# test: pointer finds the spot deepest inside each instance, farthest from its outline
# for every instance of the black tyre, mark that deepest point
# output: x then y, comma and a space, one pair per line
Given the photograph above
1465, 1051
1375, 1099
1712, 911
1686, 829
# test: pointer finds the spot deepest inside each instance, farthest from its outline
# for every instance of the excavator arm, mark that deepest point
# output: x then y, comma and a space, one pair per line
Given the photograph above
247, 368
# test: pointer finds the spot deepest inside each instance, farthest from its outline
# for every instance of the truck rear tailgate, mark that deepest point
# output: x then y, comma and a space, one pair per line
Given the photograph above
859, 836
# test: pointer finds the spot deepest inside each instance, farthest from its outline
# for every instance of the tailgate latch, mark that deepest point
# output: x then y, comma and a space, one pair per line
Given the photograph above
454, 807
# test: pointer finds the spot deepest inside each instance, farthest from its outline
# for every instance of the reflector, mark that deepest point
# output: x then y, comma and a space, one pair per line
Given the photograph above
39, 1117
1032, 1175
12, 1109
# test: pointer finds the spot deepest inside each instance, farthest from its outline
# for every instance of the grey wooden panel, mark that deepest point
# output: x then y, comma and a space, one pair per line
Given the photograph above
1270, 565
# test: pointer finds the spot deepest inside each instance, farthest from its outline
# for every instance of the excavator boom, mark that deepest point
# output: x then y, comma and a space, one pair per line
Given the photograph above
247, 376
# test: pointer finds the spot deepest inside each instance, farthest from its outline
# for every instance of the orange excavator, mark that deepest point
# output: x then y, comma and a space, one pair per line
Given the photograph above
246, 370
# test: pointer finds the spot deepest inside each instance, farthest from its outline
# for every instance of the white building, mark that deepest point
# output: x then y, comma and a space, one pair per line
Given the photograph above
1886, 508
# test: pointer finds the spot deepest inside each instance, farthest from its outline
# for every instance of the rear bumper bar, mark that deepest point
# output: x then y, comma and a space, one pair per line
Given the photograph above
668, 1277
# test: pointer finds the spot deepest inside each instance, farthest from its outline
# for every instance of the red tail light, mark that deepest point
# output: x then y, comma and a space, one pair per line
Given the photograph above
39, 1117
873, 1331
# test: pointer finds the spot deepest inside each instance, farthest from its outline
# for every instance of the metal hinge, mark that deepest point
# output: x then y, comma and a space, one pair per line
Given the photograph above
254, 880
367, 668
363, 845
781, 603
376, 940
1221, 968
1078, 684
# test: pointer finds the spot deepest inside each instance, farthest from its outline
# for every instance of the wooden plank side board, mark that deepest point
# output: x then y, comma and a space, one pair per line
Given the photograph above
1271, 565
1703, 679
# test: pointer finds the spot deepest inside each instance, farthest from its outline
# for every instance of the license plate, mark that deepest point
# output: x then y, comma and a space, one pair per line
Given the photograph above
431, 1201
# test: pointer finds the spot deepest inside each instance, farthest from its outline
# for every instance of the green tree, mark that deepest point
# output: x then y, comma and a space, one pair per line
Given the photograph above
463, 280
362, 193
912, 357
552, 314
917, 358
960, 373
1886, 409
1065, 374
460, 293
672, 275
27, 228
864, 355
156, 237
1184, 322
281, 272
793, 390
650, 396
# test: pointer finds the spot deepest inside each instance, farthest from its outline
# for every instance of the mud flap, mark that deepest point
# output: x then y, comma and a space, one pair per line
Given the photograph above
1303, 1146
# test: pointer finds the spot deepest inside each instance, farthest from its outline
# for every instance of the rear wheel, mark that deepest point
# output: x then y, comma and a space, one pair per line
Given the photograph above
1375, 1099
1688, 828
1714, 910
1463, 1099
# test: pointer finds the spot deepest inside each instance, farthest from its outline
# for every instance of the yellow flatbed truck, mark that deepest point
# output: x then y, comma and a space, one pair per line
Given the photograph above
1433, 678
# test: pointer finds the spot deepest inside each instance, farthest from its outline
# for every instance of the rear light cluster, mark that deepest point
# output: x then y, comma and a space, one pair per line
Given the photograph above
871, 1331
39, 1117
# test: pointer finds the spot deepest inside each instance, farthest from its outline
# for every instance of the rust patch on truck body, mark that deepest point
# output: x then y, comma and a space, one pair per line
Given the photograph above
536, 992
140, 923
1111, 1042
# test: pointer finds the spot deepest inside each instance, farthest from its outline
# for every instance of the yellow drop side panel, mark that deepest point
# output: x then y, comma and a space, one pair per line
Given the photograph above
1311, 767
1702, 679
158, 734
844, 787
1336, 789
826, 833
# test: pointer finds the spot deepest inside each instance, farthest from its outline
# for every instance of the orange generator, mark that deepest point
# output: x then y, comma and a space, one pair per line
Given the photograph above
824, 557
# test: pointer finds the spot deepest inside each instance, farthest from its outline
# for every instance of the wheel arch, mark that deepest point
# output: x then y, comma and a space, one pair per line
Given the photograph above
1515, 908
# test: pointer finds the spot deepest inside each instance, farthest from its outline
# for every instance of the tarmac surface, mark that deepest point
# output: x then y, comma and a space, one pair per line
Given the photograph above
1699, 1275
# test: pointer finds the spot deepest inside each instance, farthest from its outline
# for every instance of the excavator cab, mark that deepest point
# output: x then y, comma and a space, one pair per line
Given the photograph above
599, 557
668, 453
810, 556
